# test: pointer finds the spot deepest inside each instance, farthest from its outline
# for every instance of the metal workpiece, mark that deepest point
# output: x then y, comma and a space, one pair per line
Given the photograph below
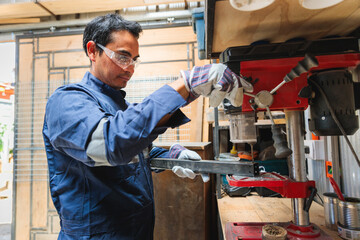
297, 167
247, 169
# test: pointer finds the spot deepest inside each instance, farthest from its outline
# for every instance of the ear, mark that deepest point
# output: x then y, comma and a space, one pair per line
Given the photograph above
91, 50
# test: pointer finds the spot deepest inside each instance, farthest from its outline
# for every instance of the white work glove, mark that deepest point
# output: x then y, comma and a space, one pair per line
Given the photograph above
179, 152
215, 81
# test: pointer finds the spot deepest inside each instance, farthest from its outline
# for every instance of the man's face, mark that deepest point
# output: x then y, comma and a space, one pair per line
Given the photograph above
109, 72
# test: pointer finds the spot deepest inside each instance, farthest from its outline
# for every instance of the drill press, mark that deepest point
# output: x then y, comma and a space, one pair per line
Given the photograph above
287, 79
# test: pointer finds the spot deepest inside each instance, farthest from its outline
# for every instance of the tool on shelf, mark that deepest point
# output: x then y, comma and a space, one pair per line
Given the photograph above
336, 189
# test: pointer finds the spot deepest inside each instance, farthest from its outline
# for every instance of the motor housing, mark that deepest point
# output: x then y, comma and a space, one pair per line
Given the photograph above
340, 90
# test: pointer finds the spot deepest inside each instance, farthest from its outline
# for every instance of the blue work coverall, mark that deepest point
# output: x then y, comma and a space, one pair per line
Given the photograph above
96, 144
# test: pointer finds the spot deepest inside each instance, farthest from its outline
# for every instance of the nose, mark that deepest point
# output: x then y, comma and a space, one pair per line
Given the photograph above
129, 69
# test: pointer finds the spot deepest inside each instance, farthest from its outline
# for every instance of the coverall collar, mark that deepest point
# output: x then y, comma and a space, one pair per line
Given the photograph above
91, 80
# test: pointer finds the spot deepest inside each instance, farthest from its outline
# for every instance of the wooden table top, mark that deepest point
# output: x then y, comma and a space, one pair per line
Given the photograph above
266, 209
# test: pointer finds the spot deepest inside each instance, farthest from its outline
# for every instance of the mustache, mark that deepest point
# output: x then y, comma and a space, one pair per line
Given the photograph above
127, 75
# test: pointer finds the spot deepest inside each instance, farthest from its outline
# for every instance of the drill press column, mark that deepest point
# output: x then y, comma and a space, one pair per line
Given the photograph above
297, 168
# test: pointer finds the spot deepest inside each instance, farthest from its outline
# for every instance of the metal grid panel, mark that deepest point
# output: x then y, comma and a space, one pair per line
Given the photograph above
139, 88
31, 163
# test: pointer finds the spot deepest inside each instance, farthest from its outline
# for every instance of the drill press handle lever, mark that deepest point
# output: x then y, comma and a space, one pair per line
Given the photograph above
264, 99
303, 66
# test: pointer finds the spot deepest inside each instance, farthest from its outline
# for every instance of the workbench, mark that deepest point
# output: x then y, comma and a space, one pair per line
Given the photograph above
265, 209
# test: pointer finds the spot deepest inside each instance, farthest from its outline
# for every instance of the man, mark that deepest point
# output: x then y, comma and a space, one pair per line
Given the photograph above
97, 143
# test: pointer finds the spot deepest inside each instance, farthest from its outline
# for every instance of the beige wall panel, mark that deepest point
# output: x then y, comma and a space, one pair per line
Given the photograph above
56, 80
40, 78
163, 53
23, 134
76, 75
167, 35
22, 213
39, 97
184, 133
197, 120
23, 171
50, 205
60, 43
42, 236
25, 61
39, 201
160, 69
199, 62
70, 59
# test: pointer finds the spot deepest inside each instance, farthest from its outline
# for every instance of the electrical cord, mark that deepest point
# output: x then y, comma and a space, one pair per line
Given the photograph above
318, 197
336, 120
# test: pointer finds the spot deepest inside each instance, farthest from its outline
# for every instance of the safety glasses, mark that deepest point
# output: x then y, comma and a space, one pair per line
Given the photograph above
120, 60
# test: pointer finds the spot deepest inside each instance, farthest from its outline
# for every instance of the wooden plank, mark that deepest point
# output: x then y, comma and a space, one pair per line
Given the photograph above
19, 20
39, 203
21, 10
60, 43
160, 69
163, 53
25, 60
63, 7
205, 125
69, 59
39, 171
271, 210
60, 7
197, 114
22, 211
281, 21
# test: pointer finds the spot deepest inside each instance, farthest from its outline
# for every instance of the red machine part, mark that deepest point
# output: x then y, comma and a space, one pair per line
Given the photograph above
253, 231
285, 186
272, 71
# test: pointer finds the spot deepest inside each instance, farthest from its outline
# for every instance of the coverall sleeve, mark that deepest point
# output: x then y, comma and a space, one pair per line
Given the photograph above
158, 152
72, 116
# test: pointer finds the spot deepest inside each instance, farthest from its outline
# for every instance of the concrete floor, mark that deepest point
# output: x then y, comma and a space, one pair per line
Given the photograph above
5, 231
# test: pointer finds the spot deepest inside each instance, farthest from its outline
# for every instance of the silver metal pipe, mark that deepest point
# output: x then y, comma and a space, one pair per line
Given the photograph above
143, 17
297, 168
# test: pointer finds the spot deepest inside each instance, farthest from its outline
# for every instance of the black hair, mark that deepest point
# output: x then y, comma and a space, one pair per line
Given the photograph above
100, 29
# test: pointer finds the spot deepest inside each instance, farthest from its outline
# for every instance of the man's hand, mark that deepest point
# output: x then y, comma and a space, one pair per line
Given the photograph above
180, 152
217, 82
